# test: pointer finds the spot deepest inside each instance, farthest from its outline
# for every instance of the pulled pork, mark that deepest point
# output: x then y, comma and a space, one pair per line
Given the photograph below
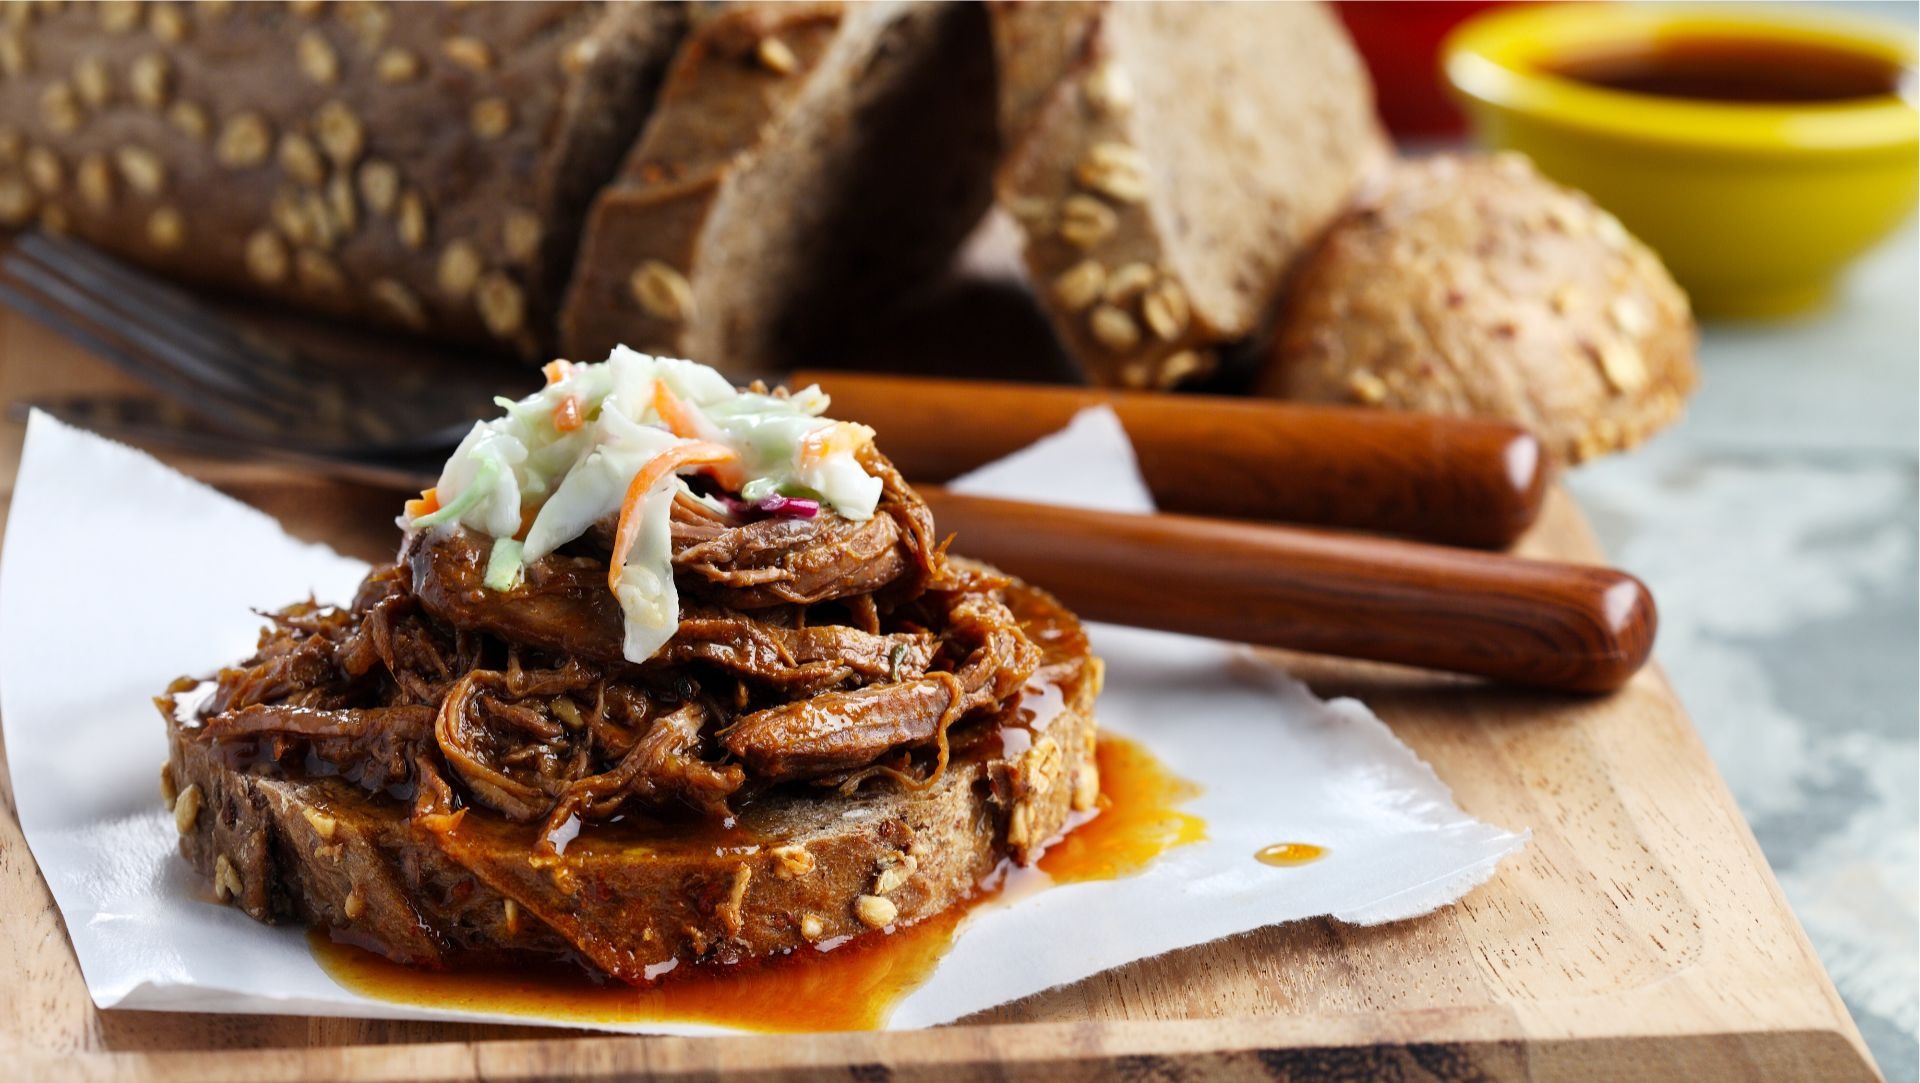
815, 651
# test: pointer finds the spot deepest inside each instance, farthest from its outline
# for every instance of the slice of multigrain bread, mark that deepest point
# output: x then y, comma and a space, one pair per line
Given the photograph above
806, 166
802, 865
1169, 162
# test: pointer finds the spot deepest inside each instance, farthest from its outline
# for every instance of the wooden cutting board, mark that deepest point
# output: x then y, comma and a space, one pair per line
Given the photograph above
1640, 935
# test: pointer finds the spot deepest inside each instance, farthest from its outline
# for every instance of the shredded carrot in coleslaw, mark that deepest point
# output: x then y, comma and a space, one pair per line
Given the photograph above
557, 370
567, 416
427, 503
698, 452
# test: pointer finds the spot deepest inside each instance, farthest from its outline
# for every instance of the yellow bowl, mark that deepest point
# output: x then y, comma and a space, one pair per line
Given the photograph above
1755, 207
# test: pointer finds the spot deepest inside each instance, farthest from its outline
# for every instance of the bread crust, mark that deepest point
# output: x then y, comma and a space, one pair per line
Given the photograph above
1472, 285
806, 166
800, 868
1149, 253
418, 166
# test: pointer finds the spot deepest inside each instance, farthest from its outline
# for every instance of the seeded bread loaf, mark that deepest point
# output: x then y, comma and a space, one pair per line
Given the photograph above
420, 165
796, 869
1169, 162
806, 165
1476, 286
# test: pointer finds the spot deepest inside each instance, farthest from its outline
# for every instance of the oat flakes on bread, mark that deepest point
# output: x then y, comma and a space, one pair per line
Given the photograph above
662, 710
1472, 285
1169, 162
419, 166
808, 164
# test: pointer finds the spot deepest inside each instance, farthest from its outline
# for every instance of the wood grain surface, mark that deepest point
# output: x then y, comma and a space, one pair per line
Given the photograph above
1639, 936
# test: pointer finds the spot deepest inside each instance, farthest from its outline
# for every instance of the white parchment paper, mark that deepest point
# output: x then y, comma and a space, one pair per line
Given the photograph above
119, 574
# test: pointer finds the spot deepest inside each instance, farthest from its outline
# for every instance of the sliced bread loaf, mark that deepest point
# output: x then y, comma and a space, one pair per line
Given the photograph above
805, 166
1169, 162
421, 165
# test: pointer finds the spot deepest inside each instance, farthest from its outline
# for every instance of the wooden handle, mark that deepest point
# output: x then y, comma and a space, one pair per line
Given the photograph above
1563, 626
1458, 481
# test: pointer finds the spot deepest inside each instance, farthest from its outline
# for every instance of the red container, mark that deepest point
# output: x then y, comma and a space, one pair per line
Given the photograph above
1400, 43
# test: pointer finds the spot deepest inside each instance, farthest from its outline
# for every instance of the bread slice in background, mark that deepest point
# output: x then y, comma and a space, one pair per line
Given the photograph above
807, 167
421, 166
1169, 163
1473, 285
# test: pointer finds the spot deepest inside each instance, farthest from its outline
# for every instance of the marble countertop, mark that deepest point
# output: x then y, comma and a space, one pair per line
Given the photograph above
1777, 527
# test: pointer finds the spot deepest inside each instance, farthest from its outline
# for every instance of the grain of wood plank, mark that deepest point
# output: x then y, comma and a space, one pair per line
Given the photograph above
1640, 935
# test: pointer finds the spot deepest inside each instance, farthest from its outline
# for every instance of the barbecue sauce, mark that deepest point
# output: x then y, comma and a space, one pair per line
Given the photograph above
854, 985
1736, 69
1289, 854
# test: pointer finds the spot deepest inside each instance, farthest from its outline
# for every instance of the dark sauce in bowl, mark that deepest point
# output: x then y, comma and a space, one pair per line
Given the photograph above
1737, 70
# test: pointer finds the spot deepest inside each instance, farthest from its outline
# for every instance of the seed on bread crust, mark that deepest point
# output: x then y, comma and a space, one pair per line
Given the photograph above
895, 870
167, 23
776, 56
410, 223
318, 273
94, 177
1109, 89
468, 52
166, 228
379, 185
662, 291
60, 109
317, 58
92, 79
1165, 310
46, 171
396, 300
1085, 221
168, 791
1114, 170
341, 134
190, 119
267, 258
1367, 388
301, 159
503, 307
875, 912
459, 269
811, 926
151, 79
1113, 329
396, 65
1129, 281
322, 824
490, 118
245, 140
1621, 364
791, 862
1183, 366
520, 234
144, 171
226, 879
1080, 285
186, 808
355, 905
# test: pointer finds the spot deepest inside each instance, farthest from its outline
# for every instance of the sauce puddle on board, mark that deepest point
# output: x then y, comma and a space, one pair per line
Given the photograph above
856, 985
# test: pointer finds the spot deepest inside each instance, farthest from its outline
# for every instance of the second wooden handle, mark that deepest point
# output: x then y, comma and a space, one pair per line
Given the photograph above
1458, 481
1564, 626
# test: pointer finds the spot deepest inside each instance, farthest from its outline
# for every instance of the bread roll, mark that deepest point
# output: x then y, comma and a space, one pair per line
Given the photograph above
1472, 285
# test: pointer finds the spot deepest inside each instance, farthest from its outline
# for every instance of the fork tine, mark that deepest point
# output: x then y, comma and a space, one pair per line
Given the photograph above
150, 355
157, 309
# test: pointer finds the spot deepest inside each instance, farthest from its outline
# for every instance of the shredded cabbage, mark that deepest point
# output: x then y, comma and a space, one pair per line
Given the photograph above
533, 487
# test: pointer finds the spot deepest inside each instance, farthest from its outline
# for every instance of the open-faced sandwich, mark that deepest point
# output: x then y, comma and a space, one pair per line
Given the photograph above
664, 672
